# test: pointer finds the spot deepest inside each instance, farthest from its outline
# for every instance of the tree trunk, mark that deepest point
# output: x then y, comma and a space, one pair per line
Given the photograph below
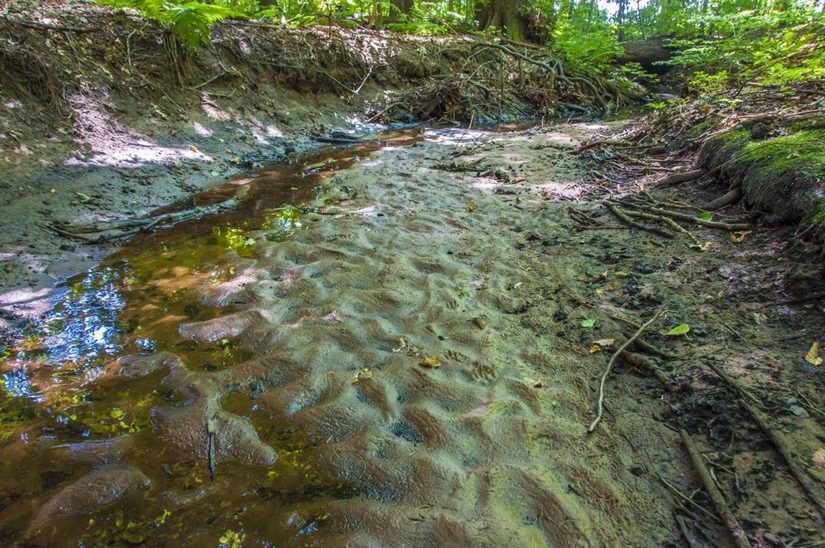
506, 16
399, 7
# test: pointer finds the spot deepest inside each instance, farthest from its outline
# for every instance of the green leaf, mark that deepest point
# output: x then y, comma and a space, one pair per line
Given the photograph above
681, 329
706, 216
588, 323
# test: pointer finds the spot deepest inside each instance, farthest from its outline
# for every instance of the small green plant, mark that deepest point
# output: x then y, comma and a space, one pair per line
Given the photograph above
191, 22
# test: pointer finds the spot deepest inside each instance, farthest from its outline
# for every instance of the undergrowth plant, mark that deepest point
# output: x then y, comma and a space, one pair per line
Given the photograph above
190, 21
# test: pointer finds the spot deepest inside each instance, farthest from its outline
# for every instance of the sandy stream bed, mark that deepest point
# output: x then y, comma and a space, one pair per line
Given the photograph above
457, 250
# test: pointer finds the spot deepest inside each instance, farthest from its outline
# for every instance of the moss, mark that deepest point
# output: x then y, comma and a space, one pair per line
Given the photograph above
702, 127
783, 176
720, 148
787, 171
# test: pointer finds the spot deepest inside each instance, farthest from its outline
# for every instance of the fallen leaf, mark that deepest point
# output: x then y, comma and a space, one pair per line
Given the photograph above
588, 323
739, 236
621, 274
471, 207
536, 383
433, 362
705, 216
812, 357
595, 348
681, 329
605, 342
480, 323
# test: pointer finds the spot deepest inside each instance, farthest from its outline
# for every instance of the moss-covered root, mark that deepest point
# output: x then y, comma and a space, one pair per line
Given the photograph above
782, 176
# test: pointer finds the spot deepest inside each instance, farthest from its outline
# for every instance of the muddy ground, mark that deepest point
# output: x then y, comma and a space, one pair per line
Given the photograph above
413, 359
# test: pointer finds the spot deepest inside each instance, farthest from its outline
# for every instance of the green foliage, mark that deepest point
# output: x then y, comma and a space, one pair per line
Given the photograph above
768, 46
190, 21
589, 47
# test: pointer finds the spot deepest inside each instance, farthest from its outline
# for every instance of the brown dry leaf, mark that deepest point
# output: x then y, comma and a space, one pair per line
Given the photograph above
818, 459
605, 342
432, 362
812, 357
535, 383
739, 236
480, 323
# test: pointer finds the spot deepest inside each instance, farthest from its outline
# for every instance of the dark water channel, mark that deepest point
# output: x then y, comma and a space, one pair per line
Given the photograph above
60, 390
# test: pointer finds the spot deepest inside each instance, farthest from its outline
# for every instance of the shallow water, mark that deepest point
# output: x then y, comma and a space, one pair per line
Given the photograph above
60, 382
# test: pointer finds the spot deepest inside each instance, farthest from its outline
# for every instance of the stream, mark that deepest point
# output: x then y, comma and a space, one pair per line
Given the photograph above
395, 343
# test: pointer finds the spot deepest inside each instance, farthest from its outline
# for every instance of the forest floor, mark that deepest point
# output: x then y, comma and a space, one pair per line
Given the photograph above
398, 340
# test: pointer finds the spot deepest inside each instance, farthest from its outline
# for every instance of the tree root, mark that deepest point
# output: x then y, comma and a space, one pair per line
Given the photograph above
740, 539
622, 348
781, 447
731, 197
641, 361
622, 215
681, 177
690, 218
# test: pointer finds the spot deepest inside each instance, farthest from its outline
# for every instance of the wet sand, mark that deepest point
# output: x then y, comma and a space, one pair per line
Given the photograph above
407, 365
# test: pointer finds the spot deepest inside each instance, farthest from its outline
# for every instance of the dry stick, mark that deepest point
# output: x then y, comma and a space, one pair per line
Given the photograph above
622, 348
740, 539
627, 220
781, 447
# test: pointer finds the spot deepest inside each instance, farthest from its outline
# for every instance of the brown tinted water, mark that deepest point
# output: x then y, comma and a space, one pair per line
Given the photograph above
62, 392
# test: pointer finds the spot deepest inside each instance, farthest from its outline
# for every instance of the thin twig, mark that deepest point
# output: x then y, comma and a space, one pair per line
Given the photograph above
622, 348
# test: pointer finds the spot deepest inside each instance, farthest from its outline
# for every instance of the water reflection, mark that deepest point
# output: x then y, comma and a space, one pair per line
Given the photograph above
78, 334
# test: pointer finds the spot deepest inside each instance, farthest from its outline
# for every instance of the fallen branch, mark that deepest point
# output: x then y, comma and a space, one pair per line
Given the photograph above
95, 233
622, 348
740, 539
668, 221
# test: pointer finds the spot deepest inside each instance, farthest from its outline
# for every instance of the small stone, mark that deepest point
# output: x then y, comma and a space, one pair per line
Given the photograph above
798, 411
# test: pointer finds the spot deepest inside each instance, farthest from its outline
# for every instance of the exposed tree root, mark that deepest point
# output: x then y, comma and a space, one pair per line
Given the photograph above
729, 198
622, 216
681, 177
736, 531
779, 443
